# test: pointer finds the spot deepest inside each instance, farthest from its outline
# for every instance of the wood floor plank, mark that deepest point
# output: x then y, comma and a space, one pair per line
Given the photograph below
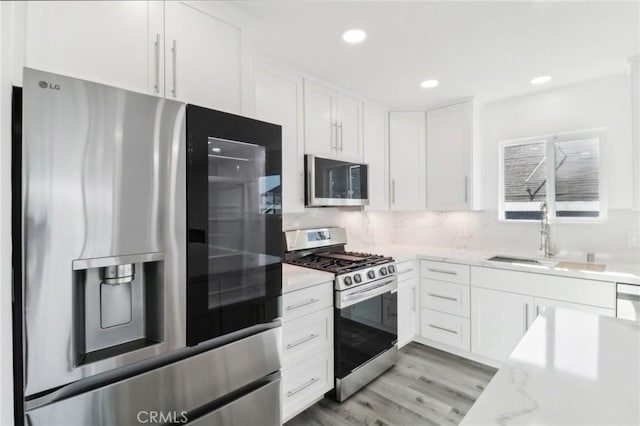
425, 387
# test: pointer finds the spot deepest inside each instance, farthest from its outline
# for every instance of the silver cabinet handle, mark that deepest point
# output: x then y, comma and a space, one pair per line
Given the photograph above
393, 191
299, 305
335, 135
466, 189
156, 46
537, 310
526, 316
413, 299
303, 340
341, 137
443, 329
453, 299
174, 52
442, 271
302, 387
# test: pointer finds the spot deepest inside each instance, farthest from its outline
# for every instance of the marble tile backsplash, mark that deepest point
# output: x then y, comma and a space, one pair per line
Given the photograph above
477, 231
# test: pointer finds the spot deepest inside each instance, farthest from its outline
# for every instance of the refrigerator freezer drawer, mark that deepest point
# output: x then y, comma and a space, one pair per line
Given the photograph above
260, 408
177, 388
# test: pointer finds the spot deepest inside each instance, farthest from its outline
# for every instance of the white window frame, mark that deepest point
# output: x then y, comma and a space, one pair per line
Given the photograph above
549, 142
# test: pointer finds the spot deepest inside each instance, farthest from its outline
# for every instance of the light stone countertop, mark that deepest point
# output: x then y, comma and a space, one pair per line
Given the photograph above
296, 277
616, 272
570, 368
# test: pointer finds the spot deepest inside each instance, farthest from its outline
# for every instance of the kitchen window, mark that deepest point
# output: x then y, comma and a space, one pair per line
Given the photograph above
564, 170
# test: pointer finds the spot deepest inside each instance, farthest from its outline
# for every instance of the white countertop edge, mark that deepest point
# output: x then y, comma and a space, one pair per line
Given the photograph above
614, 272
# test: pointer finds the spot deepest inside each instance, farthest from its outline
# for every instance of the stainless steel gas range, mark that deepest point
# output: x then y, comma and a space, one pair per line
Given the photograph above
365, 304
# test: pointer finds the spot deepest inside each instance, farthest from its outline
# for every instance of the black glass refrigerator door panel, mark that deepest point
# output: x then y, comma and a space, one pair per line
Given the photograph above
365, 330
234, 214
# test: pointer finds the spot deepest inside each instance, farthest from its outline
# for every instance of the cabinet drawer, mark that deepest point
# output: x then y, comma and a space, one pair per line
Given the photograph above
445, 297
443, 271
303, 302
307, 336
444, 328
305, 383
406, 267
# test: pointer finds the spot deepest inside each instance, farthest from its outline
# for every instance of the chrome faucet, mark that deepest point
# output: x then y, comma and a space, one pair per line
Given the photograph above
545, 231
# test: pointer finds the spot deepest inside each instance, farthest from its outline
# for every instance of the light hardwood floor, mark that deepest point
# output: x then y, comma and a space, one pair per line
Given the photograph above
425, 387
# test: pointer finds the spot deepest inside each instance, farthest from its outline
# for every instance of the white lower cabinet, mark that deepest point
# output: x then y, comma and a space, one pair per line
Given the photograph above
445, 297
408, 302
307, 348
498, 321
447, 329
307, 336
305, 383
408, 315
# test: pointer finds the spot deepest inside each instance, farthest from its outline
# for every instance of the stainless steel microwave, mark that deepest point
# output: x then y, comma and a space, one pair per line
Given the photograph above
334, 183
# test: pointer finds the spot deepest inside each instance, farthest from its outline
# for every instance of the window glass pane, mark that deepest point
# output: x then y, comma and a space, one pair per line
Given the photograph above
524, 180
577, 178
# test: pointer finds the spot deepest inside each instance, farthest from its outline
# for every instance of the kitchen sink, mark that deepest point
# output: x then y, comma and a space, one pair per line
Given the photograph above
520, 260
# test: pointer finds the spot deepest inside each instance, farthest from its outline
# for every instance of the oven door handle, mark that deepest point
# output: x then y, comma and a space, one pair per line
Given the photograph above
366, 294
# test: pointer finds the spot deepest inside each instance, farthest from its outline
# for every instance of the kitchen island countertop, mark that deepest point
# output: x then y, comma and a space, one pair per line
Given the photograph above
570, 368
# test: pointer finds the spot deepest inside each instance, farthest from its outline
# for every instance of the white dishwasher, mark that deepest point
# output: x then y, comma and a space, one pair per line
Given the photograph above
628, 302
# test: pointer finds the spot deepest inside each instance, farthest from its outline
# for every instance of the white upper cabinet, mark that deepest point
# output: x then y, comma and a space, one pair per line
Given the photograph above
376, 155
320, 130
407, 172
111, 42
279, 101
332, 123
453, 158
203, 57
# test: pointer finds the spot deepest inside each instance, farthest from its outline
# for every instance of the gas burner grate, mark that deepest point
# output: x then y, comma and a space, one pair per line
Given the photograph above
340, 262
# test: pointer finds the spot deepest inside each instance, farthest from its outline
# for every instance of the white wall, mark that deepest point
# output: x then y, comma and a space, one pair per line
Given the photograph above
6, 382
600, 103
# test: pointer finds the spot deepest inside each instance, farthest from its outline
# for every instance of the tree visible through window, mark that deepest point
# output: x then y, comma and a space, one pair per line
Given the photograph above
562, 170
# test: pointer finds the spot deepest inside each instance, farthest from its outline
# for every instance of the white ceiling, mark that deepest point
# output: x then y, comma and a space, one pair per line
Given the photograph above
489, 50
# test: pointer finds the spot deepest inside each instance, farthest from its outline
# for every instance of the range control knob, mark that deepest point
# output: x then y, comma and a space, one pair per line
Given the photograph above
357, 278
391, 269
371, 274
383, 271
347, 281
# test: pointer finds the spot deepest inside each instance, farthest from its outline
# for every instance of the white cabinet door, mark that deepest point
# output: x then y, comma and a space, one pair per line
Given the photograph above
320, 128
498, 321
349, 122
449, 138
376, 155
278, 100
203, 58
541, 303
111, 42
407, 312
407, 160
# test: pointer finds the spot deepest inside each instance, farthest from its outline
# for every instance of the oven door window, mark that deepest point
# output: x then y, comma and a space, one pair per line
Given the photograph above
234, 209
365, 330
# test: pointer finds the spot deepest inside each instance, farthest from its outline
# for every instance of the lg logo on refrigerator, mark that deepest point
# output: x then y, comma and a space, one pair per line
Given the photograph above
45, 85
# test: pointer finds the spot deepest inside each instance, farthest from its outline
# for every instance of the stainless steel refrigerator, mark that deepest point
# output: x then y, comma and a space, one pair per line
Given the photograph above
101, 271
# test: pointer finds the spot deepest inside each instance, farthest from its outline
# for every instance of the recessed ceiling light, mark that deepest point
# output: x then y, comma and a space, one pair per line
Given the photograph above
428, 84
354, 36
541, 79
